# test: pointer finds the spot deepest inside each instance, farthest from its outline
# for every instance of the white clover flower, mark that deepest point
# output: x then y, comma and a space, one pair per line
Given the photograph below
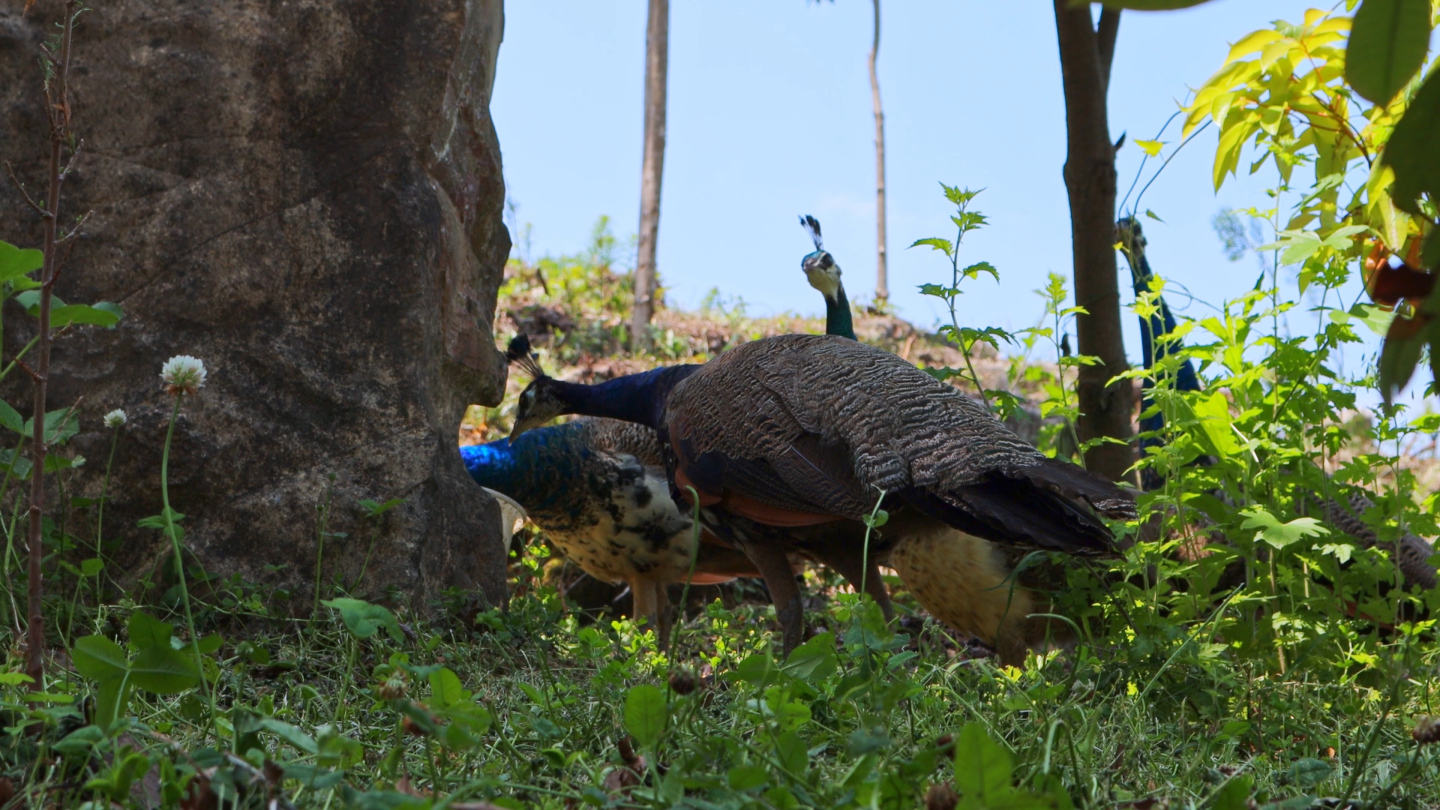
115, 419
183, 374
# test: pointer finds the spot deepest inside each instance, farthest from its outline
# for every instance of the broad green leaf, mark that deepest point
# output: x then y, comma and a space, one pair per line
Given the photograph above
111, 698
791, 751
147, 631
1234, 794
1277, 534
99, 659
446, 689
747, 777
91, 567
17, 262
60, 425
83, 314
291, 734
1213, 409
646, 714
814, 660
982, 766
80, 741
363, 618
1308, 772
942, 245
11, 418
164, 670
1411, 148
1387, 46
14, 678
1151, 148
1253, 42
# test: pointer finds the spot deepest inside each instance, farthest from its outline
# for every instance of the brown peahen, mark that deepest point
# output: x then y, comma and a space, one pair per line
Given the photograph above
805, 430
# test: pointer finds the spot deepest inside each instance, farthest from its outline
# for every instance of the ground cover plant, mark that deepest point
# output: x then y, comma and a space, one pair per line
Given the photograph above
1241, 653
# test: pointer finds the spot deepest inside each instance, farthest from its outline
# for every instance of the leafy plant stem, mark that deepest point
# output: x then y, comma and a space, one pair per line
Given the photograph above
180, 562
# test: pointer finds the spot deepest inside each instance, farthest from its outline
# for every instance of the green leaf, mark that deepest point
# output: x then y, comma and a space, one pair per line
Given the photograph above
99, 659
81, 740
1277, 534
91, 566
147, 631
942, 245
747, 777
111, 698
1411, 148
363, 618
1151, 148
1213, 409
976, 269
1387, 46
83, 314
814, 660
14, 678
17, 262
1308, 772
60, 425
645, 714
164, 671
291, 734
375, 509
1234, 794
11, 418
982, 766
446, 689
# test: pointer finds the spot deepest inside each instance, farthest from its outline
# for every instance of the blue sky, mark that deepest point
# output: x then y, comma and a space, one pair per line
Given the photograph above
770, 117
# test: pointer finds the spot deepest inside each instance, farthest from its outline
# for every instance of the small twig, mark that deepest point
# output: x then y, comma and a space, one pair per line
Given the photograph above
20, 187
75, 231
70, 164
34, 375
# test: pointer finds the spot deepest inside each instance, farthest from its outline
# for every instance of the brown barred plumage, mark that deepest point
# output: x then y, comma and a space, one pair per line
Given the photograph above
1411, 553
821, 424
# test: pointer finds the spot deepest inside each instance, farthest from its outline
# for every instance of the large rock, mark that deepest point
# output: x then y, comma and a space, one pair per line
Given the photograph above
306, 195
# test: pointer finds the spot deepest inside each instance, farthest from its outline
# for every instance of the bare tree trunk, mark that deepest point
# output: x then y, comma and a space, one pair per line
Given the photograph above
657, 57
882, 273
1105, 410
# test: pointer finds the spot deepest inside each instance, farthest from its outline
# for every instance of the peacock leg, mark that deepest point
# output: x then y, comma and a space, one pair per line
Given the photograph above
851, 564
780, 579
665, 617
643, 601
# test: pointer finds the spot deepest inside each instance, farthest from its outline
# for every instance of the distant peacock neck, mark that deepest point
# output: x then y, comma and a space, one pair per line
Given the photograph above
837, 315
638, 398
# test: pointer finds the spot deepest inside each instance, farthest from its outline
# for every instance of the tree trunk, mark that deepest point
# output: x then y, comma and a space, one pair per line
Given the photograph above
1106, 410
657, 58
318, 218
882, 273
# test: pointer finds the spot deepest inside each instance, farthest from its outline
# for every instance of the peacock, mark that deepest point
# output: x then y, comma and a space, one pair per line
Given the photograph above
807, 430
597, 488
984, 603
1410, 552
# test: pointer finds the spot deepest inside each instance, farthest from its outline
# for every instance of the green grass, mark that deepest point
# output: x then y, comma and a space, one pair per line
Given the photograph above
858, 723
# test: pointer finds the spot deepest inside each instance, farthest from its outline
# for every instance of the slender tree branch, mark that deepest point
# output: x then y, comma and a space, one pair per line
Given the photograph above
882, 270
57, 95
1105, 41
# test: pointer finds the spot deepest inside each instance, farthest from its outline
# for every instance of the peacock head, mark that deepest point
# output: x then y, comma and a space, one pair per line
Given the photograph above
820, 267
540, 401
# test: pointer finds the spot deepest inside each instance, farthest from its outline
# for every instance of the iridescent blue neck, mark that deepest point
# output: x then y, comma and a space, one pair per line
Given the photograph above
539, 469
638, 398
837, 314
